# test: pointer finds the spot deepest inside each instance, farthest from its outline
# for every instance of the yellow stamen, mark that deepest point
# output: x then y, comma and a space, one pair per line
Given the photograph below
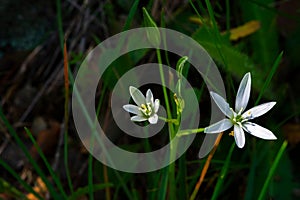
231, 133
143, 106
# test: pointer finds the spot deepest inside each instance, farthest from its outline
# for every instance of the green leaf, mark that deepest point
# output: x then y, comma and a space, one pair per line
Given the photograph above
232, 60
264, 42
153, 36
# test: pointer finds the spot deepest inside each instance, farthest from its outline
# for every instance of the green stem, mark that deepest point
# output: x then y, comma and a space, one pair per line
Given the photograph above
189, 131
163, 82
173, 146
174, 121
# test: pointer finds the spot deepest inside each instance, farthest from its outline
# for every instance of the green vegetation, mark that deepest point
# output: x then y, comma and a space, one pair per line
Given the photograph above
49, 161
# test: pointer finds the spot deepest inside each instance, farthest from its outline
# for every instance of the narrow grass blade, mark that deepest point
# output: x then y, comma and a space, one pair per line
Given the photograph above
162, 192
272, 171
131, 15
217, 34
181, 178
41, 154
29, 157
223, 174
269, 78
16, 176
265, 42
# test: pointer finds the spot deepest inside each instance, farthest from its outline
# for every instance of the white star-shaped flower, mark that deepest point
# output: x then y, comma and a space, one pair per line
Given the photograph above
146, 108
240, 119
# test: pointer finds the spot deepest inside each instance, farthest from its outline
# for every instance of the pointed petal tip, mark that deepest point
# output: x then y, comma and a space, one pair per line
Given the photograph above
153, 119
156, 105
211, 92
274, 138
271, 136
259, 131
247, 76
222, 104
271, 104
132, 88
149, 96
125, 107
137, 95
240, 145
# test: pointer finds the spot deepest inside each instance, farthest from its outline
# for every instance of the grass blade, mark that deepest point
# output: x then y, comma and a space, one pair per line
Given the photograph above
272, 170
16, 176
223, 173
270, 76
29, 157
131, 15
41, 154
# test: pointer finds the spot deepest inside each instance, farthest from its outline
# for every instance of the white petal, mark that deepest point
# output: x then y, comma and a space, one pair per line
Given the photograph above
258, 110
243, 93
153, 119
258, 131
239, 136
132, 109
137, 96
149, 97
138, 118
222, 104
156, 105
219, 126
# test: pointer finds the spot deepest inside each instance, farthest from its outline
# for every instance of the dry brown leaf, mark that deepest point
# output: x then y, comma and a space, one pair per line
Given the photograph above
47, 140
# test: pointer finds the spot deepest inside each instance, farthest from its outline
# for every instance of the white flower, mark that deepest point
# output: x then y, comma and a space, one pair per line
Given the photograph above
240, 119
146, 108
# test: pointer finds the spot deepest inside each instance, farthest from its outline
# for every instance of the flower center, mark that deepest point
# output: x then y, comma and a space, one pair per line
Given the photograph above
237, 119
146, 109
